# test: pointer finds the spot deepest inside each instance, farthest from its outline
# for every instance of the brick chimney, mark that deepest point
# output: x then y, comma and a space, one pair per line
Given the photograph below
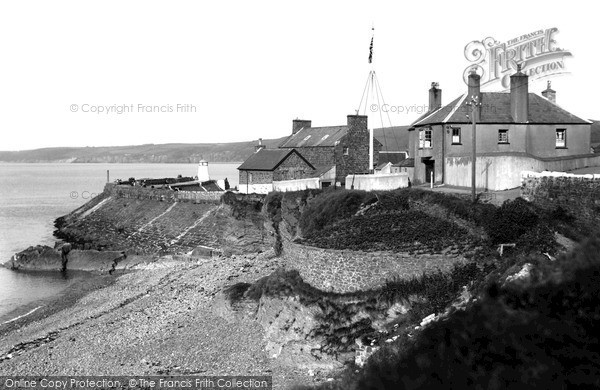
298, 124
435, 96
549, 93
259, 146
519, 96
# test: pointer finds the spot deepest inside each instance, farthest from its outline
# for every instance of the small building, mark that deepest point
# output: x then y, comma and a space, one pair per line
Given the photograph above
515, 131
265, 166
405, 166
394, 143
384, 168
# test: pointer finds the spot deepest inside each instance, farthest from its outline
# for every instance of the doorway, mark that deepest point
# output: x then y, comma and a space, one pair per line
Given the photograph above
429, 170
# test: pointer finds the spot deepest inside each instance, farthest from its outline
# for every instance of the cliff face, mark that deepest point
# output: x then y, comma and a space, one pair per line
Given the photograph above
162, 226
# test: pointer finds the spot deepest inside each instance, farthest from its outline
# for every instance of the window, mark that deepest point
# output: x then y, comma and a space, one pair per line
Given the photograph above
249, 178
346, 151
503, 136
427, 143
561, 138
456, 135
424, 139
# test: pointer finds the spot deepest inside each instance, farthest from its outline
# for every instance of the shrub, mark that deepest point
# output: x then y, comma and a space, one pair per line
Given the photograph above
330, 207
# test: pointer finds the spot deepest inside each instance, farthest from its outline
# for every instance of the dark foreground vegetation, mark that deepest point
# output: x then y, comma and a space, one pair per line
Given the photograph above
541, 334
495, 331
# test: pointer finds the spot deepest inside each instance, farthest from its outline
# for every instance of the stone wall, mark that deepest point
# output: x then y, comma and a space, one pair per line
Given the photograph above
345, 271
318, 155
578, 194
255, 177
293, 167
165, 195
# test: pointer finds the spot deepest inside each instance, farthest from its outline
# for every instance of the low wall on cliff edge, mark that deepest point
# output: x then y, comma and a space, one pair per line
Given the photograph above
346, 271
381, 182
164, 195
579, 194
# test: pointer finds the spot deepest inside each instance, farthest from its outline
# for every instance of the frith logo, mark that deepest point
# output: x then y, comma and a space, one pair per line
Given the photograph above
536, 52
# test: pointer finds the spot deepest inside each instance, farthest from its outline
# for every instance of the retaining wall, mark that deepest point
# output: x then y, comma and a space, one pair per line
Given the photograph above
165, 195
579, 194
345, 271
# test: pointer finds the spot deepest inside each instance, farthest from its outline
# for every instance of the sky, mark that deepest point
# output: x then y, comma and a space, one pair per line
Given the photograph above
227, 71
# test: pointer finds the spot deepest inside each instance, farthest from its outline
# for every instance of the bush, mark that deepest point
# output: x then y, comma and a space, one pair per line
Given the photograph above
330, 207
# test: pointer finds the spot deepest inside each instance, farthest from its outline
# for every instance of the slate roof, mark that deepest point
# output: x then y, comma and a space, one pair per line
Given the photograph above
408, 163
315, 136
393, 139
268, 159
382, 165
496, 109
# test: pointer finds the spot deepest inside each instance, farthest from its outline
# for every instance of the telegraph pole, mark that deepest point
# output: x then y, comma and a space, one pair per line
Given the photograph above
475, 104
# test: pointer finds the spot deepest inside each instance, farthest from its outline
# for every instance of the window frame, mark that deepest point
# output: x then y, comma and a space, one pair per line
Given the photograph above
425, 140
564, 138
459, 135
500, 141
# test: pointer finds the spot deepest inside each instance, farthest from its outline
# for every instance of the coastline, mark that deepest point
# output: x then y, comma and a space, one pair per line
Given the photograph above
162, 319
79, 288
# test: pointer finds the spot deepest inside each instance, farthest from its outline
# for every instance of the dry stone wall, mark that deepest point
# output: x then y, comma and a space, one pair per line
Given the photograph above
578, 194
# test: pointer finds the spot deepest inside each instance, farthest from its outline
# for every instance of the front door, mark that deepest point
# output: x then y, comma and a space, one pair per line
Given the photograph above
429, 170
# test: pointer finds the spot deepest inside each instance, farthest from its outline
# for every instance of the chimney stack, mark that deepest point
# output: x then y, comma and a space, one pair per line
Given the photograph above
259, 146
549, 93
435, 97
474, 86
298, 124
357, 122
519, 96
474, 90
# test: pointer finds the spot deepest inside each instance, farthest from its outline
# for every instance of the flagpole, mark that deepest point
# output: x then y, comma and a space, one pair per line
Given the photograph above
372, 74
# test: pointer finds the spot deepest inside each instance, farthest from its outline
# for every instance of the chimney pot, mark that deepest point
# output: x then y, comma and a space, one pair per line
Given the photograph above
259, 146
549, 93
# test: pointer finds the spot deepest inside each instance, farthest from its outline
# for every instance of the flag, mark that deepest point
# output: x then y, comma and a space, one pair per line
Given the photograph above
371, 51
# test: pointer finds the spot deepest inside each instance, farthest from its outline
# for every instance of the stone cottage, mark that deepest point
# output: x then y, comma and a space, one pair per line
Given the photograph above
516, 131
265, 166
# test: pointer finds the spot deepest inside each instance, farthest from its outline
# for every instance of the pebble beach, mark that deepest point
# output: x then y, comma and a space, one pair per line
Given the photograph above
157, 318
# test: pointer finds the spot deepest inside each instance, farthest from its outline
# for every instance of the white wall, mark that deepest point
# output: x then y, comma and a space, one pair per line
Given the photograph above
382, 182
296, 185
497, 173
255, 188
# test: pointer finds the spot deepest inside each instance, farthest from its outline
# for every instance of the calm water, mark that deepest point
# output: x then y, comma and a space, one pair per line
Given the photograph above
32, 196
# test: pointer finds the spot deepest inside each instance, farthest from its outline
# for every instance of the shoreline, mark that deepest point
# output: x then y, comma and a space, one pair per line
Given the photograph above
42, 308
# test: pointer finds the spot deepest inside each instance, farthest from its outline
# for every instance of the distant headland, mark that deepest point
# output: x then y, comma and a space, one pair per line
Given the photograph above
148, 153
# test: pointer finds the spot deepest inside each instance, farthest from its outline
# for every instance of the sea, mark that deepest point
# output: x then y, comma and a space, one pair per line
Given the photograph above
32, 196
